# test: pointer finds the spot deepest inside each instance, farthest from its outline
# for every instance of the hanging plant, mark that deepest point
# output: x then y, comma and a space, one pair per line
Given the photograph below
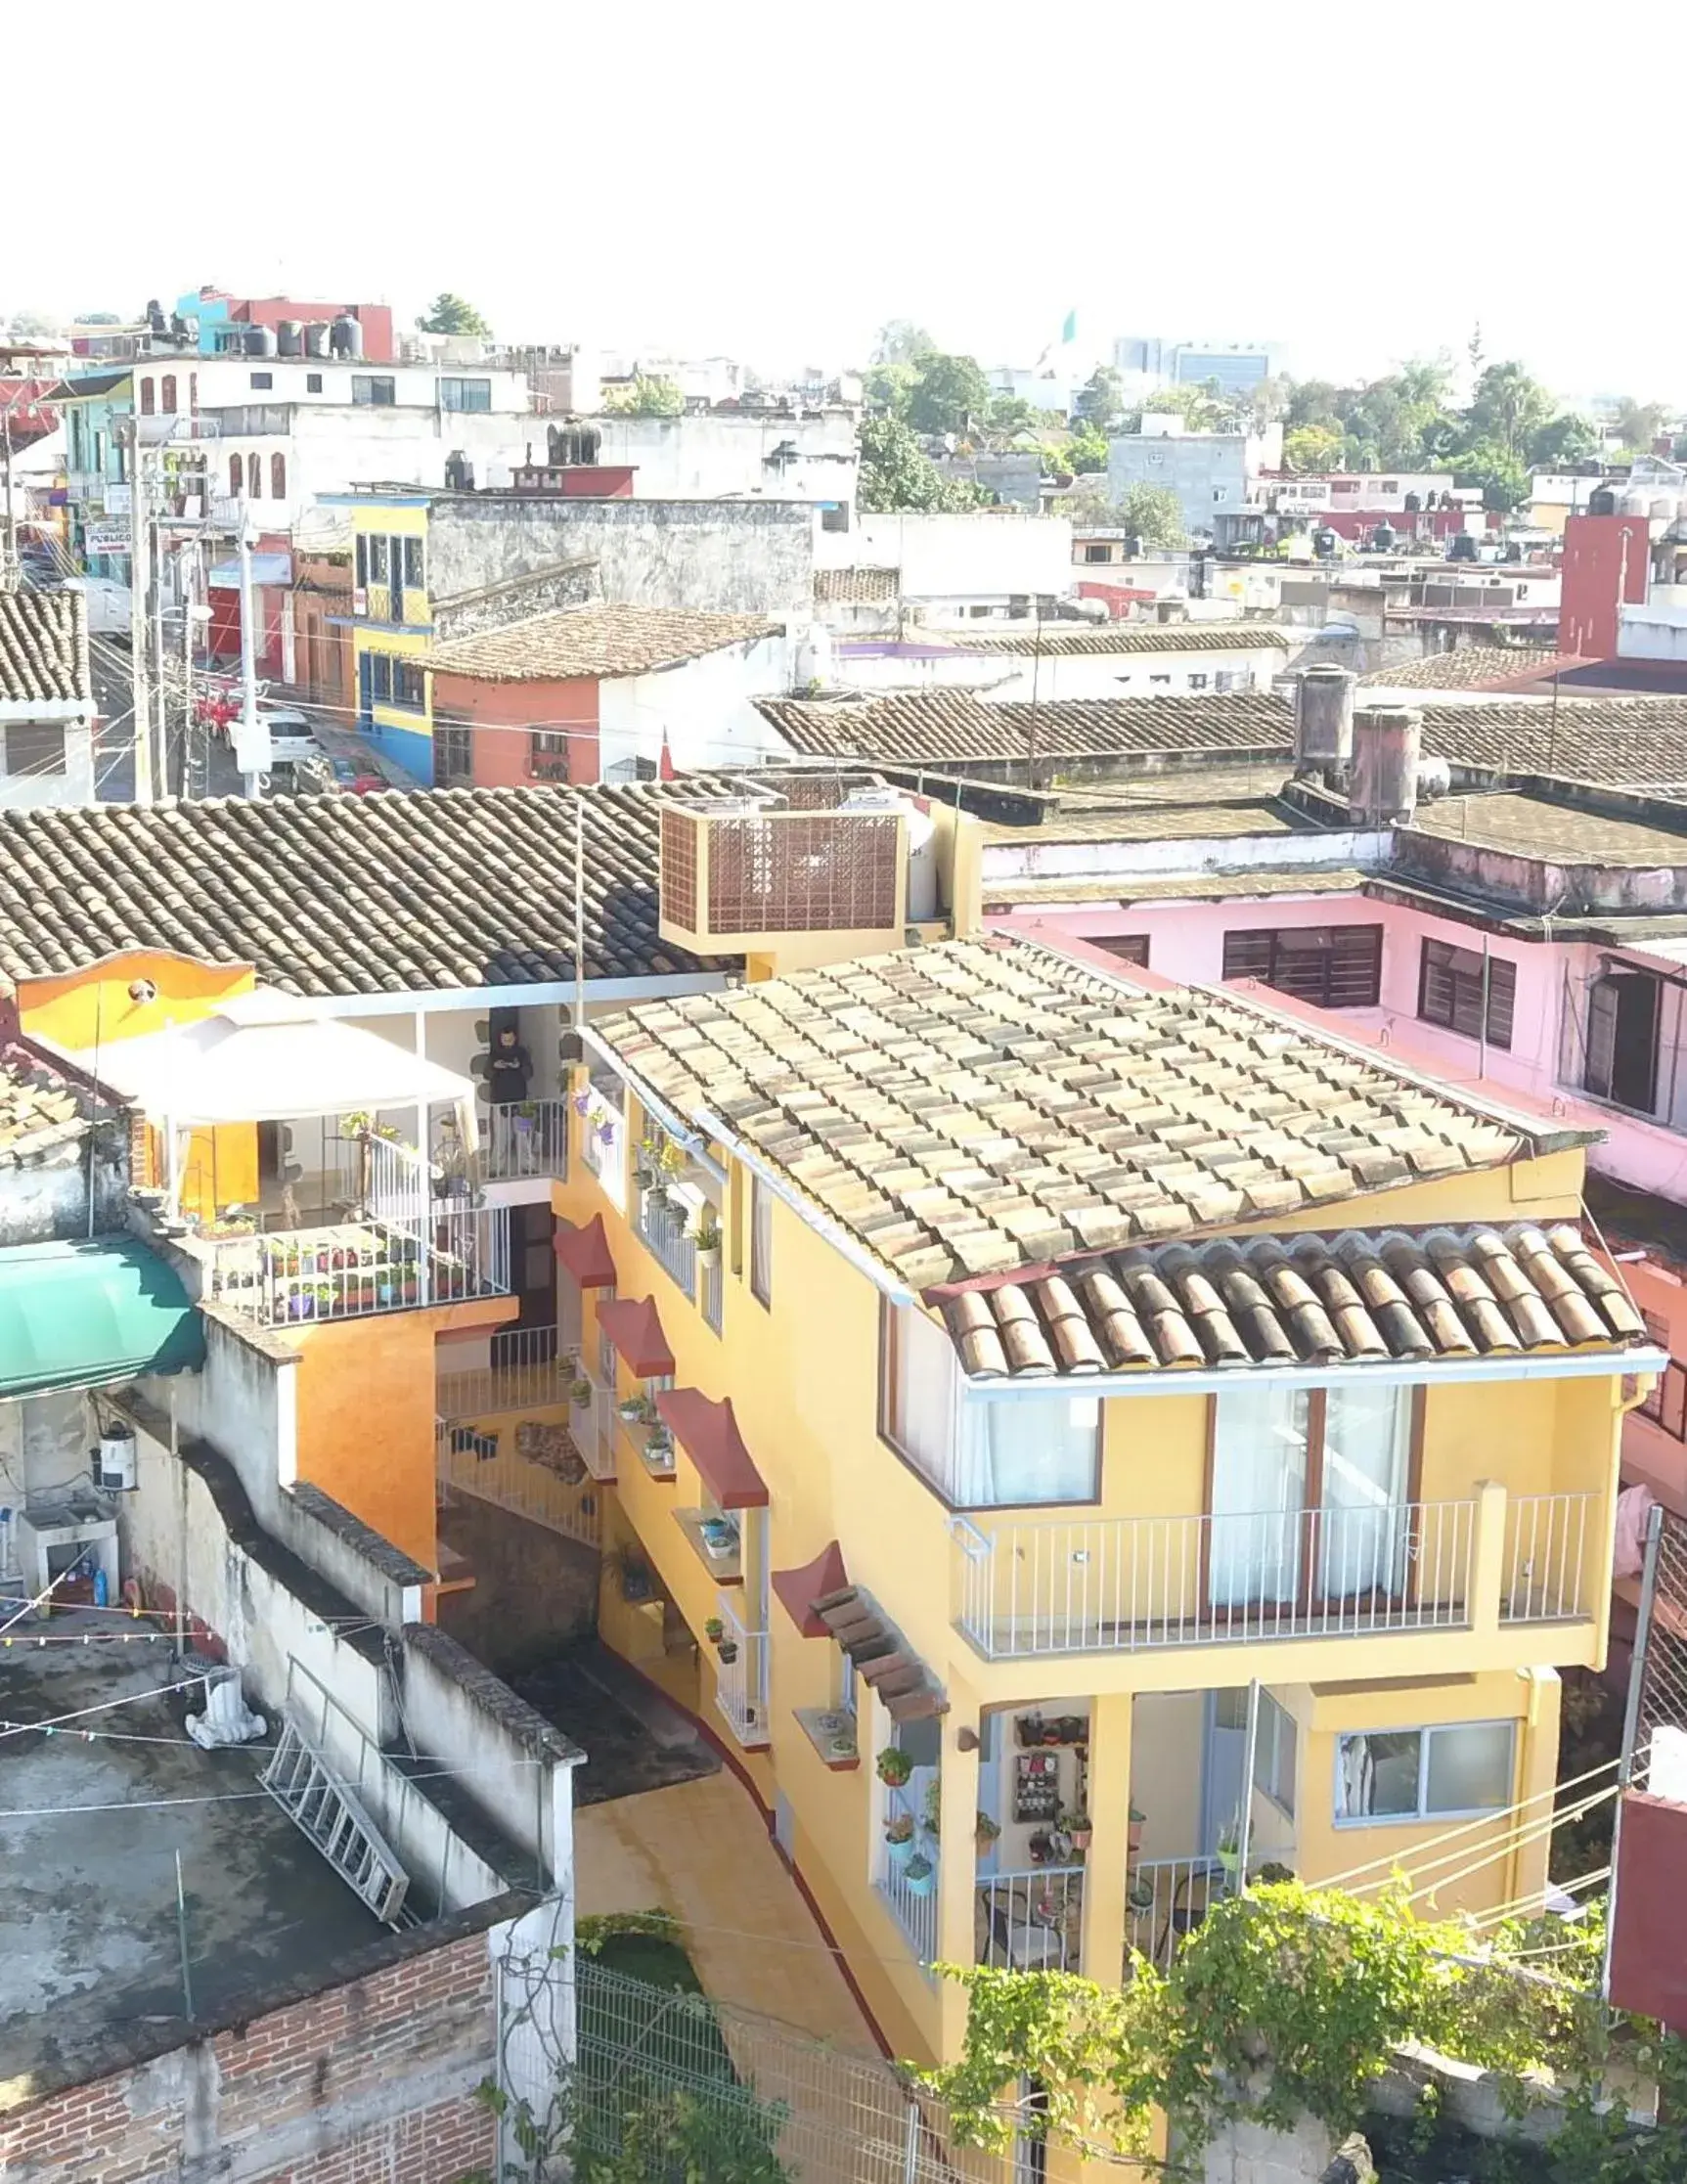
894, 1766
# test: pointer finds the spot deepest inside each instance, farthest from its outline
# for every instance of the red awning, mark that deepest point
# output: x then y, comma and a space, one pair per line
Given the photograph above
585, 1252
636, 1333
709, 1434
799, 1590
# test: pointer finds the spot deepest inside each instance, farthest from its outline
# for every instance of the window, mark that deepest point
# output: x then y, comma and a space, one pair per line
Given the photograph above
1389, 485
546, 752
362, 562
377, 559
313, 382
410, 686
1622, 1009
1129, 948
1449, 991
194, 392
761, 1242
1274, 1755
1097, 553
262, 381
466, 394
1333, 966
373, 390
146, 396
36, 748
835, 516
1164, 680
1198, 682
411, 563
380, 676
1424, 1774
237, 474
278, 476
167, 394
256, 475
453, 754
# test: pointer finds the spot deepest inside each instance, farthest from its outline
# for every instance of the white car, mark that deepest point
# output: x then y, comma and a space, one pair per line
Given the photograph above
291, 733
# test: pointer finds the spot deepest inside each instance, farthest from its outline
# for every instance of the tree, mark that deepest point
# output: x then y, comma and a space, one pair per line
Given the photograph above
1310, 449
646, 394
1085, 449
1563, 441
903, 341
951, 391
1154, 514
1508, 408
1100, 400
1425, 383
33, 326
895, 473
1639, 424
1500, 474
1009, 414
452, 315
890, 387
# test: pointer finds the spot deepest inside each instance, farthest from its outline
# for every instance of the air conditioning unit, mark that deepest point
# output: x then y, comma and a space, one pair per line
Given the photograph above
115, 1461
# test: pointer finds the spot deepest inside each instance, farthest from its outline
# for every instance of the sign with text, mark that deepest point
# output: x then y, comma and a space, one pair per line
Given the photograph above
105, 539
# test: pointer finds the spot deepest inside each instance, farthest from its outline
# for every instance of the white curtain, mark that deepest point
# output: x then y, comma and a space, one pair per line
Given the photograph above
1023, 1452
920, 1399
1259, 1494
1363, 1525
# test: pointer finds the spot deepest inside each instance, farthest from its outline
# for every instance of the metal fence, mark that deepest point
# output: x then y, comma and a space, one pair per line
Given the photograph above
909, 1876
1546, 1558
828, 2117
665, 1230
1663, 1695
1033, 1921
741, 1681
529, 1139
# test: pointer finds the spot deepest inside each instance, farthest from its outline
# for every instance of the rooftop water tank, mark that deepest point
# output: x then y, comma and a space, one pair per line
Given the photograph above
290, 337
345, 336
315, 337
1388, 747
1324, 719
260, 341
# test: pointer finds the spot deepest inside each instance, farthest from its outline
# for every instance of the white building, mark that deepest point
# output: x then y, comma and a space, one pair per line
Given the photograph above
807, 455
990, 565
1211, 474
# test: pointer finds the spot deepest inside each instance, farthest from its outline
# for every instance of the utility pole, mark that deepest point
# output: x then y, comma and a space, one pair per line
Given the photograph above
8, 556
251, 741
140, 625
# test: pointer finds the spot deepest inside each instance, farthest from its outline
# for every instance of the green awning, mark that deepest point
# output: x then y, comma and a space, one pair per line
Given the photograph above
83, 1315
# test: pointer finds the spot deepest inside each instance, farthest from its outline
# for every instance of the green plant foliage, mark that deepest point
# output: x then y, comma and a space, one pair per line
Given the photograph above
646, 394
895, 473
452, 315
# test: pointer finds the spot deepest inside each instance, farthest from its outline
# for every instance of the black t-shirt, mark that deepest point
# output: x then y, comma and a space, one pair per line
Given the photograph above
511, 1067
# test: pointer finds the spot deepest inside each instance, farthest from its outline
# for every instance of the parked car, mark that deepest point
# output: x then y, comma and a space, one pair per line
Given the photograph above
356, 780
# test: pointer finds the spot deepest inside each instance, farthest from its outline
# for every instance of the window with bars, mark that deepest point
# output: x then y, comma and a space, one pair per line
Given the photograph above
1449, 992
453, 754
1129, 948
1332, 966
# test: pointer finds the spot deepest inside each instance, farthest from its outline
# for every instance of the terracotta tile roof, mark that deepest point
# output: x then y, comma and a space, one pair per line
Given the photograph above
596, 640
1357, 1298
935, 727
1063, 642
1612, 740
41, 1114
1468, 667
858, 587
442, 889
881, 1657
44, 646
1001, 895
800, 1588
980, 1106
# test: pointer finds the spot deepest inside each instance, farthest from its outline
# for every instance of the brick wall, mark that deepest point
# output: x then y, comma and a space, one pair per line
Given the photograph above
370, 2080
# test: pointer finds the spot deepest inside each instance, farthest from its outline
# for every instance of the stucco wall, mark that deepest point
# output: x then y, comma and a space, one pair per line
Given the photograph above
732, 557
704, 707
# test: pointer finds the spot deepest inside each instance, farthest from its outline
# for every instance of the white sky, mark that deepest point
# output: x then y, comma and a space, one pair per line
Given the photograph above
771, 181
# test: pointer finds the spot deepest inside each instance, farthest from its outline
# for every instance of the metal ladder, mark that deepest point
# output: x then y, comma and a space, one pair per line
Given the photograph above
326, 1811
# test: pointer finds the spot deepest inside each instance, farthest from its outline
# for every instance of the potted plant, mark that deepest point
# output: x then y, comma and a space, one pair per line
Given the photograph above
634, 1411
582, 1101
714, 1629
894, 1766
984, 1833
840, 1744
1134, 1833
526, 1116
1230, 1851
605, 1131
706, 1236
580, 1392
1077, 1827
727, 1650
899, 1838
1139, 1895
634, 1572
920, 1874
933, 1805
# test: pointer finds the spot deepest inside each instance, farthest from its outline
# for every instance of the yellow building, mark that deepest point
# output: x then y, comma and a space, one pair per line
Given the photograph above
1176, 1438
392, 624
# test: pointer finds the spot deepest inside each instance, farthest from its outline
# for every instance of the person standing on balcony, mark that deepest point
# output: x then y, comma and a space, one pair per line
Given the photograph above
511, 1069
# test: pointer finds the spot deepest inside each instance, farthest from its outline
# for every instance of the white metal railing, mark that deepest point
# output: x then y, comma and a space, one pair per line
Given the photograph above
1546, 1560
711, 1295
909, 1875
1166, 1899
665, 1231
544, 1489
527, 1368
1033, 1921
741, 1682
358, 1266
602, 1144
593, 1427
528, 1139
1129, 1584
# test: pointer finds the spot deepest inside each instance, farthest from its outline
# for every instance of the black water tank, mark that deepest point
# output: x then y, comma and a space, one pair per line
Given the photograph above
1325, 544
1602, 500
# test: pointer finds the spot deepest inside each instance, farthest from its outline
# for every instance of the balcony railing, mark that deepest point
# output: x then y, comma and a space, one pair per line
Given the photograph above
1033, 1921
711, 1296
741, 1682
542, 1480
529, 1139
362, 1265
1548, 1565
907, 1880
664, 1230
1112, 1584
526, 1369
1166, 1899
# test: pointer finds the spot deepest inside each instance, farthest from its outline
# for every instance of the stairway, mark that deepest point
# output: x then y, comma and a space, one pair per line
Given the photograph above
325, 1810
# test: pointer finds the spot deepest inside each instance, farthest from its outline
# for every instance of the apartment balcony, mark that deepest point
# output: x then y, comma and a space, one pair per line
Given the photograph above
741, 1677
1028, 1588
363, 1265
664, 1230
529, 1140
907, 1879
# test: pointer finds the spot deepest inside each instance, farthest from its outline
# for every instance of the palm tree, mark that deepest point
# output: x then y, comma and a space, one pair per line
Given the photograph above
1424, 382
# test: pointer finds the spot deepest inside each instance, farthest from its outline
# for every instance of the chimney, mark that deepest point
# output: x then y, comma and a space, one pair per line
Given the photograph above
1324, 722
1387, 745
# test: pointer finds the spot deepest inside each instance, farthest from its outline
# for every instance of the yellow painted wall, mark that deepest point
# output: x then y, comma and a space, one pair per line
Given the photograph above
88, 1009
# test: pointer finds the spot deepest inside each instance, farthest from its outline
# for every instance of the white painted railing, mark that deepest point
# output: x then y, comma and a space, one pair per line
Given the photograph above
1033, 1921
529, 1139
1547, 1569
1107, 1584
492, 1467
741, 1682
1166, 1899
362, 1265
527, 1369
664, 1230
711, 1295
910, 1895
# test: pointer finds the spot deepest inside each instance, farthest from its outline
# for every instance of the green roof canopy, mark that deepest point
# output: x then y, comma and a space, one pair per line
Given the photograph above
77, 1314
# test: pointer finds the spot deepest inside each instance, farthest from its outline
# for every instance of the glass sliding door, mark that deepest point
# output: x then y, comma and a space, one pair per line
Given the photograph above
1260, 1443
1363, 1519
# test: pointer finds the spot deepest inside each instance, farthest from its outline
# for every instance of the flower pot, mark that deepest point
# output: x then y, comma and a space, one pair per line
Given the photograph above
728, 1651
917, 1880
1133, 1837
708, 1255
1081, 1838
899, 1854
1229, 1865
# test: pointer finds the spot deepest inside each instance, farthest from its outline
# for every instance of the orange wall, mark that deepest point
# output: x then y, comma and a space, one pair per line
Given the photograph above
366, 1400
500, 754
91, 1007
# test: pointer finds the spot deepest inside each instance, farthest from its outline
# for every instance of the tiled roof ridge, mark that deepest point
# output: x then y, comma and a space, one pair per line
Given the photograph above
44, 646
1398, 1294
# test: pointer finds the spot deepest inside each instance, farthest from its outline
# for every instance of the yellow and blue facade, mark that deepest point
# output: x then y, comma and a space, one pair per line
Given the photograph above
391, 625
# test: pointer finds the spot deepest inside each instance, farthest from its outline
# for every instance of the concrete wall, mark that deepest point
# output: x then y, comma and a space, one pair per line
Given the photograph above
1208, 471
1125, 674
705, 456
44, 1444
959, 557
23, 787
704, 707
736, 556
50, 1200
